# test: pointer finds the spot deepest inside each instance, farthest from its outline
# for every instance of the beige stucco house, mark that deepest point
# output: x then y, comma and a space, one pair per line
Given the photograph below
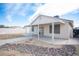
54, 27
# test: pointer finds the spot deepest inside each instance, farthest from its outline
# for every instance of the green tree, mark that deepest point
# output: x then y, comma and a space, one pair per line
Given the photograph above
2, 26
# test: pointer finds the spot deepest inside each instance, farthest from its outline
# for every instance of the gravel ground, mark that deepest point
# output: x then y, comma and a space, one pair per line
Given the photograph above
66, 50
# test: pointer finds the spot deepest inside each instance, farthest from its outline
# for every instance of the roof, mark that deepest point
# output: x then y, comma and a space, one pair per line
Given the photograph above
64, 20
33, 18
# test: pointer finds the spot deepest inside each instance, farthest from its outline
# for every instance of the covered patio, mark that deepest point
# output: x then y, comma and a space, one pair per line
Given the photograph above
40, 35
41, 32
49, 28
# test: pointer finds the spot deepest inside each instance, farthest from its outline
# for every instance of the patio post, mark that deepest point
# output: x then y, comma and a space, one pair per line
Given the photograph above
38, 31
31, 31
52, 30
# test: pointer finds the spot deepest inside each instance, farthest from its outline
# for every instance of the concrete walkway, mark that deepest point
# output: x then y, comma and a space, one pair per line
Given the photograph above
11, 41
64, 42
67, 42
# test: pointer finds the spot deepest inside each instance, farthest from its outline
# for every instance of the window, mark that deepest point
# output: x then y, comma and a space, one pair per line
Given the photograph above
32, 28
57, 28
50, 28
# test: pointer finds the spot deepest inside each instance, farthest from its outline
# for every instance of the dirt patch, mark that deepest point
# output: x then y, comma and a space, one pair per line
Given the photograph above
13, 53
39, 43
28, 50
37, 48
77, 49
9, 36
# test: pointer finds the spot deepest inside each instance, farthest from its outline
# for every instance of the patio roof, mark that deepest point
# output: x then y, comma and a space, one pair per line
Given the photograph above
46, 21
59, 20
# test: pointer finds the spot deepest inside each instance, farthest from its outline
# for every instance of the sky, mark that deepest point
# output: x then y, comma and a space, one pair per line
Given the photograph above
66, 10
18, 14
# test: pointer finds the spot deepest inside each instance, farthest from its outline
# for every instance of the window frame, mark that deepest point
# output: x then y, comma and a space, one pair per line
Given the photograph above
50, 28
32, 28
57, 28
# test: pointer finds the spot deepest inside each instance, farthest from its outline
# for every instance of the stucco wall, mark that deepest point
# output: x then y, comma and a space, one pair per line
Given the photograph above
35, 30
65, 31
65, 28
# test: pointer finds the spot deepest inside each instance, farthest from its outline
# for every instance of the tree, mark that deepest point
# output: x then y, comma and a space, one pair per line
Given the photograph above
2, 26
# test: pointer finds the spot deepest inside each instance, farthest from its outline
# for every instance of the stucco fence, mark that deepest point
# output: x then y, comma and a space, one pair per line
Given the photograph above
12, 31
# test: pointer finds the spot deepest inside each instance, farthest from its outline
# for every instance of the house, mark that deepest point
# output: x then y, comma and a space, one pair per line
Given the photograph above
54, 27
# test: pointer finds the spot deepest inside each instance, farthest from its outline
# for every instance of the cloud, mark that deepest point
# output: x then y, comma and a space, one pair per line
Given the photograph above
58, 8
16, 8
22, 8
13, 8
34, 9
9, 18
76, 23
28, 8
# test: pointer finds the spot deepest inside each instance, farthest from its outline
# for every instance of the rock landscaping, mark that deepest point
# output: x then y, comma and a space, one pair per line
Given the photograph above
66, 50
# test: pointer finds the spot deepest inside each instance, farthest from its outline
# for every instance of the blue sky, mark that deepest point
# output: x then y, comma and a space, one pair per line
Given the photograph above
74, 15
19, 14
